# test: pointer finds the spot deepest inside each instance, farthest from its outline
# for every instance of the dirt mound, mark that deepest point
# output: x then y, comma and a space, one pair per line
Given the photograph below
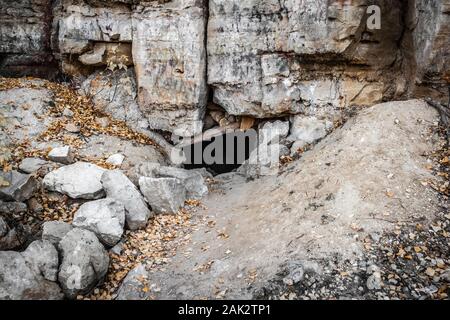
362, 180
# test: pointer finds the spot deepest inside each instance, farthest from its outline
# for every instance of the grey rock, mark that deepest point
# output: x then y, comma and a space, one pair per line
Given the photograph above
175, 33
35, 206
269, 82
21, 186
145, 169
55, 231
4, 228
23, 116
67, 113
116, 159
193, 181
120, 188
79, 181
307, 130
43, 256
23, 275
30, 165
165, 195
11, 240
72, 128
115, 94
117, 249
296, 274
84, 262
263, 161
133, 285
61, 155
104, 217
12, 207
374, 281
273, 132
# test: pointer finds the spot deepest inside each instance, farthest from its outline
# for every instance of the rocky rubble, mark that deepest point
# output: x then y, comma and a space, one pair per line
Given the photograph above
289, 69
30, 275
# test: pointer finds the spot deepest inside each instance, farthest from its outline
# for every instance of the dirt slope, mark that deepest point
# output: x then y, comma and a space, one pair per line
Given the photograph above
359, 181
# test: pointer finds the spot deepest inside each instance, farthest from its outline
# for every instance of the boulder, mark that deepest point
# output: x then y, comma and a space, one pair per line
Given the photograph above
132, 287
79, 181
120, 188
193, 180
30, 275
62, 155
84, 262
54, 231
30, 165
104, 217
43, 257
21, 187
165, 195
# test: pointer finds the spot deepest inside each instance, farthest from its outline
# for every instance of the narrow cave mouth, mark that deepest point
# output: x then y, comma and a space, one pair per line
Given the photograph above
221, 154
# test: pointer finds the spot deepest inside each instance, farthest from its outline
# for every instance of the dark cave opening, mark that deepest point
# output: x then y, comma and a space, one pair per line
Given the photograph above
221, 154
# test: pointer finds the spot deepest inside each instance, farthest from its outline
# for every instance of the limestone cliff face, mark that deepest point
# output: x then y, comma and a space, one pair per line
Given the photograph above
25, 44
259, 58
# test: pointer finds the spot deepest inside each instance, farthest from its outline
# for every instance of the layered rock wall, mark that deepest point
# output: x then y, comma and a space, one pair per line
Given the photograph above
258, 58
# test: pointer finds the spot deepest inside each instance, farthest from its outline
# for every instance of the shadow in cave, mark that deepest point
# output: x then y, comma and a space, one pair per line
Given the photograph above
221, 154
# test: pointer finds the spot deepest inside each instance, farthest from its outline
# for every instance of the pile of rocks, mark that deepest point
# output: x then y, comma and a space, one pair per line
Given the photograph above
72, 259
278, 139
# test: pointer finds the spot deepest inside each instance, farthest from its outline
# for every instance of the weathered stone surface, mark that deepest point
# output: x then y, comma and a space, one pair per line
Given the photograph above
267, 58
84, 262
104, 217
3, 227
43, 257
21, 186
133, 285
165, 195
193, 181
12, 207
102, 146
62, 155
429, 22
21, 109
55, 231
9, 238
25, 276
307, 130
120, 188
79, 181
116, 159
273, 132
25, 38
170, 61
115, 93
30, 165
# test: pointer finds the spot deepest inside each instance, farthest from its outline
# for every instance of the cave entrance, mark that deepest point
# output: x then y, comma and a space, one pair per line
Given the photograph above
222, 153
